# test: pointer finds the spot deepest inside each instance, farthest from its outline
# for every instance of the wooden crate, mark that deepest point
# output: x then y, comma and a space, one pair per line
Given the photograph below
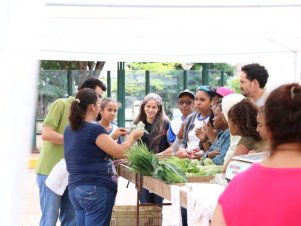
126, 172
126, 216
200, 179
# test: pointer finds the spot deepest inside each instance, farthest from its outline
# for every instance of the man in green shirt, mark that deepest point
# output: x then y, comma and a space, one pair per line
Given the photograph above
54, 206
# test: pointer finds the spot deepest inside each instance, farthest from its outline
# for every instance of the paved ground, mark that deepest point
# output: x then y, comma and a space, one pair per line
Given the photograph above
31, 210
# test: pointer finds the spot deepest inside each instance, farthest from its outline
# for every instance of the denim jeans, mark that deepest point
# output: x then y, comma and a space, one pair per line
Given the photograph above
147, 197
54, 206
93, 204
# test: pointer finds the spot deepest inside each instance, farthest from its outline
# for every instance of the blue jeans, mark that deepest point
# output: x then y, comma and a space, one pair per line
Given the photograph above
147, 197
93, 204
54, 206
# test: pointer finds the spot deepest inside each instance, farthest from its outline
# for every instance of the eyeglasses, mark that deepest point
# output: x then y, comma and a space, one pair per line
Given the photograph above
186, 102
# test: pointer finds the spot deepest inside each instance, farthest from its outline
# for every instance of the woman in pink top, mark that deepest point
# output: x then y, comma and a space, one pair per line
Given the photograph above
269, 192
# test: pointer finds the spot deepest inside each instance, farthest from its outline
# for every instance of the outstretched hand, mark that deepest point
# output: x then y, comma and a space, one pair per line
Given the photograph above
119, 132
137, 133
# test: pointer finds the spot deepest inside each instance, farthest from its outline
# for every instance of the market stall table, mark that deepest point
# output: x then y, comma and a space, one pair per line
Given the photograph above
157, 186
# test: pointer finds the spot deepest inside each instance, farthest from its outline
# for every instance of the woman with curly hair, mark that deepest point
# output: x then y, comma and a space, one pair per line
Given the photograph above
242, 122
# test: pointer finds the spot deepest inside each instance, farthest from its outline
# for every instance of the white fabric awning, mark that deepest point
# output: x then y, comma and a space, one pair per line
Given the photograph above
175, 31
191, 31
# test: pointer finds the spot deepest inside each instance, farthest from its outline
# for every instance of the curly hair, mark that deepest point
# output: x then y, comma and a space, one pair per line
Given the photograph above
243, 115
258, 72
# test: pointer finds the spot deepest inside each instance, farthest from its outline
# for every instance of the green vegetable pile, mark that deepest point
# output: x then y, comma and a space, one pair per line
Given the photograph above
169, 173
142, 160
194, 167
172, 170
147, 164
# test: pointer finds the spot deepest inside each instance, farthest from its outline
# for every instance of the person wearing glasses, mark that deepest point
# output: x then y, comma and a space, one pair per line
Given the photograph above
54, 206
185, 104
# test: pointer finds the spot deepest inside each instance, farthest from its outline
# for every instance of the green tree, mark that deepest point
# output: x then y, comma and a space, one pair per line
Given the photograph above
233, 83
227, 68
156, 68
53, 79
94, 66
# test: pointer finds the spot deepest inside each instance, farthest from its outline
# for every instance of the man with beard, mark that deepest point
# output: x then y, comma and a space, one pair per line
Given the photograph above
253, 78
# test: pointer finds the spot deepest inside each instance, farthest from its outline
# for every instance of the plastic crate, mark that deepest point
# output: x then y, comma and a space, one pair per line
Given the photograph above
126, 216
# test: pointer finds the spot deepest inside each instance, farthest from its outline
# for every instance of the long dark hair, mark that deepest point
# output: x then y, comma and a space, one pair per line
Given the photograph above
158, 124
79, 106
283, 114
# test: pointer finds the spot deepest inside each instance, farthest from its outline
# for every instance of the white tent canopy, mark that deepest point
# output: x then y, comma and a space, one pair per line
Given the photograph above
199, 31
177, 31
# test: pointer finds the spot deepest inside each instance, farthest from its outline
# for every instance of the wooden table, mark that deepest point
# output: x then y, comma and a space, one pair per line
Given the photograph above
157, 186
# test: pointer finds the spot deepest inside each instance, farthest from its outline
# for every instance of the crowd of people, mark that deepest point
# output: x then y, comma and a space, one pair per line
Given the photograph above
216, 123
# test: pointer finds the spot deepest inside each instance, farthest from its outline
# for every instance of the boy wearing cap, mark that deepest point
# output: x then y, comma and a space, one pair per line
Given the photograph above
185, 105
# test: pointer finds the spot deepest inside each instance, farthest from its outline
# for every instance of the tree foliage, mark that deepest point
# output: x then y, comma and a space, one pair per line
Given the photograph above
227, 68
234, 84
155, 68
95, 66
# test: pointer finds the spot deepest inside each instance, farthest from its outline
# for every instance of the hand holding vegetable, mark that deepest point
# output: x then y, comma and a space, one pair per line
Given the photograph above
119, 132
141, 126
136, 134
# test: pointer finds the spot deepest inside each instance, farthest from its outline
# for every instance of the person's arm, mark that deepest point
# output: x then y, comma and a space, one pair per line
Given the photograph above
118, 132
218, 217
241, 149
213, 154
111, 147
205, 145
53, 121
176, 145
181, 131
49, 134
167, 151
224, 146
182, 153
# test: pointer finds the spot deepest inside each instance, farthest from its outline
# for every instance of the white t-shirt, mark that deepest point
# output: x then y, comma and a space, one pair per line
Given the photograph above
193, 140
